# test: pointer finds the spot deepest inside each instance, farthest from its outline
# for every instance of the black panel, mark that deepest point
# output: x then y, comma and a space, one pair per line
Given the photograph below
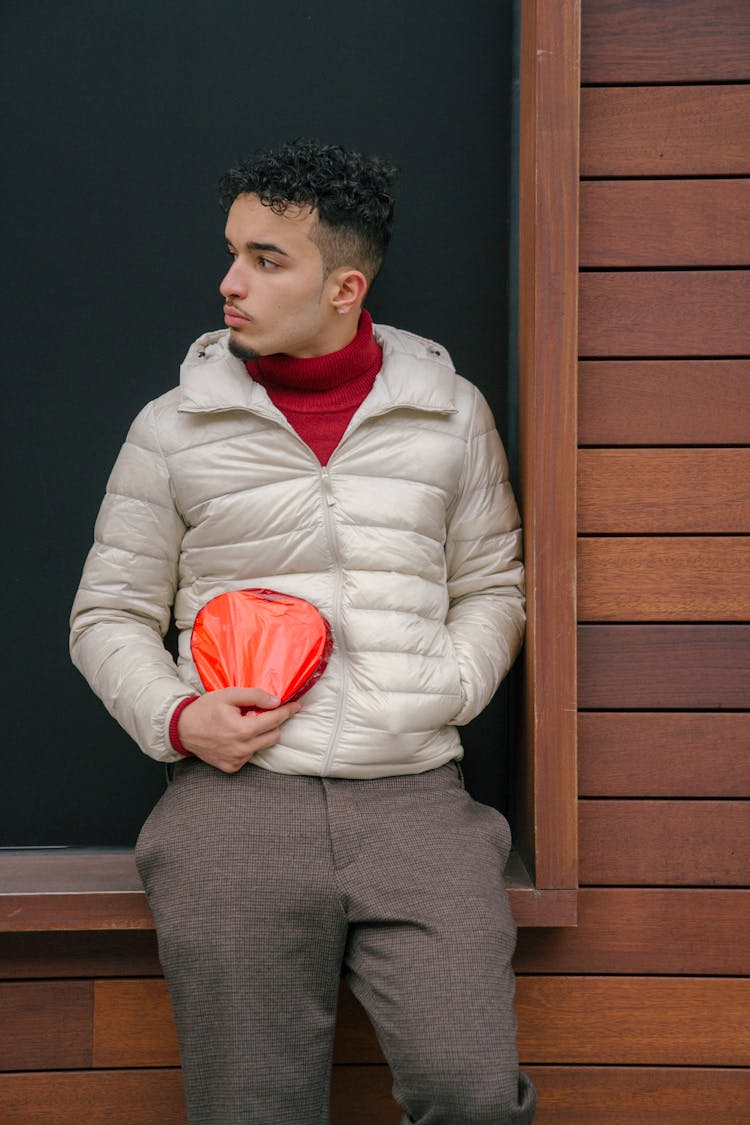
121, 117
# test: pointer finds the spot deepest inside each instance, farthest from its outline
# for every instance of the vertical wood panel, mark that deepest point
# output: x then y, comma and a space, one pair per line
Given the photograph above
550, 36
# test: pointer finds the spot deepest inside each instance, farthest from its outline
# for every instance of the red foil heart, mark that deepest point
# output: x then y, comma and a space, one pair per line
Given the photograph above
261, 639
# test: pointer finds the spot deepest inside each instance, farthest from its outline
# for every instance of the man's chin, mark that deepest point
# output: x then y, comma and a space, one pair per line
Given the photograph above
242, 351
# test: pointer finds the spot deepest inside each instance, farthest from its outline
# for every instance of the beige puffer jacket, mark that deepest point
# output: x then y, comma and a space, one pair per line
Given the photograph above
408, 542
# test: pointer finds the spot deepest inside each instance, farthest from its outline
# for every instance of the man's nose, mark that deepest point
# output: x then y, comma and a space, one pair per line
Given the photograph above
233, 284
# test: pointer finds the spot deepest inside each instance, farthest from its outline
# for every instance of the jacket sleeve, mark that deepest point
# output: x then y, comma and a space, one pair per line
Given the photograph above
486, 614
123, 605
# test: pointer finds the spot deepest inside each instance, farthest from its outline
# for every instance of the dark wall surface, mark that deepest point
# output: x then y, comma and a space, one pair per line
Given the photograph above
121, 119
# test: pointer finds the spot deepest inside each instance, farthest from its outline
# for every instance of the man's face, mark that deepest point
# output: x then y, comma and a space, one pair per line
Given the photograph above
275, 292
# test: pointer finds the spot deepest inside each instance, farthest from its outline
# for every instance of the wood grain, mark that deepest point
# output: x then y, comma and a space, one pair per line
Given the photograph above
664, 313
577, 1095
643, 930
664, 843
45, 1024
95, 1097
683, 1021
645, 41
548, 269
133, 1024
663, 754
665, 131
568, 1095
663, 491
109, 953
664, 579
664, 402
660, 223
664, 667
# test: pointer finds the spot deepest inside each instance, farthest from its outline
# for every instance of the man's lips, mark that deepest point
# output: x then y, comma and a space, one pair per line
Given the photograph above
233, 316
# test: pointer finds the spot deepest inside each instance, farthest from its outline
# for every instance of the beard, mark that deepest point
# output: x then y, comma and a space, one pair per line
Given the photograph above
242, 351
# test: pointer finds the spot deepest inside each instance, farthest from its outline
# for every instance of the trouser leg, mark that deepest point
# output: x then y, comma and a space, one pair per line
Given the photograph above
430, 944
238, 873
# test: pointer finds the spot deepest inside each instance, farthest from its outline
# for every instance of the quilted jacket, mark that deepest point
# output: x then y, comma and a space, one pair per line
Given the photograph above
408, 541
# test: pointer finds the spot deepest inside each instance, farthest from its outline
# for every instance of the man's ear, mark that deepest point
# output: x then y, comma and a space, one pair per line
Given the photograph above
348, 289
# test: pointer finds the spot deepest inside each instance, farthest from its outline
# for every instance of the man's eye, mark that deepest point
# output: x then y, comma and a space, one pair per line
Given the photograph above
267, 264
231, 253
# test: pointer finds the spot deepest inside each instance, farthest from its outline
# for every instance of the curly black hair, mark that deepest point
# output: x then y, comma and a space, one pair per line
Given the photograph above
348, 190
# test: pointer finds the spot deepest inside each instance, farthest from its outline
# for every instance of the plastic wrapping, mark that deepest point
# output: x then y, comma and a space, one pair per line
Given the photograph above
261, 639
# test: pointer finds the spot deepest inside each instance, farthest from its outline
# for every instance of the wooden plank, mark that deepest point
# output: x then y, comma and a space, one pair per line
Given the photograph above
664, 313
684, 1021
665, 223
665, 131
103, 954
664, 579
579, 1095
361, 1095
548, 232
648, 41
569, 1095
33, 904
71, 889
663, 491
28, 913
95, 1097
45, 1024
664, 843
133, 1026
664, 402
663, 667
640, 930
663, 754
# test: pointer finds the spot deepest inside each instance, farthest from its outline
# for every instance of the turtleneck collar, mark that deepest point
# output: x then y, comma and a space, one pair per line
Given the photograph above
321, 372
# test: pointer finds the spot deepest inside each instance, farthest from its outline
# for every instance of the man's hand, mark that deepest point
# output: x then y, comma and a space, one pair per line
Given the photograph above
214, 728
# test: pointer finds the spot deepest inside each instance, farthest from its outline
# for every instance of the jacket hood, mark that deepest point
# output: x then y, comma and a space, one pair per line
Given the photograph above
416, 373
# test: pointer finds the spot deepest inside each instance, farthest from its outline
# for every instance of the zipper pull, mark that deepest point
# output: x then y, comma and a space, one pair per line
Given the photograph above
327, 490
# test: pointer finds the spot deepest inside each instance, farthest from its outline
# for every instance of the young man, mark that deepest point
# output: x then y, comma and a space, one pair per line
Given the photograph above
306, 452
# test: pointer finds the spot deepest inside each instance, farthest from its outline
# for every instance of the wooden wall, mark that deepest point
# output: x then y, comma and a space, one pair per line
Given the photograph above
642, 1011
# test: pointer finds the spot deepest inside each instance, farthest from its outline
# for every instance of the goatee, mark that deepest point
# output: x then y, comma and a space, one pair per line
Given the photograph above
242, 351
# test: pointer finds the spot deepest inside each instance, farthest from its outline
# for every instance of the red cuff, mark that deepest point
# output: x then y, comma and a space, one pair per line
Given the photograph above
174, 737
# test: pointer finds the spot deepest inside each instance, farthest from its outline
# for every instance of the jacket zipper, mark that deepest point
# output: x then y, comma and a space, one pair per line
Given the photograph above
328, 504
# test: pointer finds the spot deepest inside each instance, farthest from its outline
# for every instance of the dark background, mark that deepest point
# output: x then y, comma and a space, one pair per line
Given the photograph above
119, 120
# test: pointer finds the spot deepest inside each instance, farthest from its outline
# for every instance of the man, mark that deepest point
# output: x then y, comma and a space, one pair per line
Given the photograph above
307, 453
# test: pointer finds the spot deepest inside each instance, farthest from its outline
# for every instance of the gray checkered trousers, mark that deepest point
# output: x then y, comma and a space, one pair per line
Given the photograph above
266, 888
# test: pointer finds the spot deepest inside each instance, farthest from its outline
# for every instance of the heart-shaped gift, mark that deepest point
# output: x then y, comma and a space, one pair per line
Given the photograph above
261, 639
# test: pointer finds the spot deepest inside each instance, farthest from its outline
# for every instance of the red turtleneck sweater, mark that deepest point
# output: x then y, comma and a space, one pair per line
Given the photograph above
319, 395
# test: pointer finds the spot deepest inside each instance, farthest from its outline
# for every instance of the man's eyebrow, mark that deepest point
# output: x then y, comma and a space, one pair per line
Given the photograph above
268, 247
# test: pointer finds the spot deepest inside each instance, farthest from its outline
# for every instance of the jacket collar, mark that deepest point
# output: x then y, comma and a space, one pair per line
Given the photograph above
416, 374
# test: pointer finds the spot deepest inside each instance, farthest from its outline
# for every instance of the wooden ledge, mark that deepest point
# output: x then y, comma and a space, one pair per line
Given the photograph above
84, 889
